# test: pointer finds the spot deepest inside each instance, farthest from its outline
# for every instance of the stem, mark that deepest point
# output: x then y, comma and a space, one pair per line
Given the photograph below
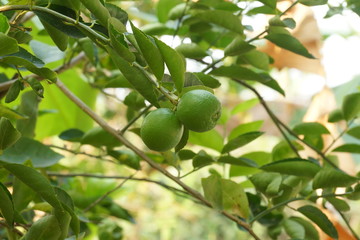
338, 137
58, 15
97, 201
132, 121
147, 159
68, 175
348, 225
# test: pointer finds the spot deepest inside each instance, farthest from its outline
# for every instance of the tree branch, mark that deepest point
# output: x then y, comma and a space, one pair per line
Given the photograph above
147, 159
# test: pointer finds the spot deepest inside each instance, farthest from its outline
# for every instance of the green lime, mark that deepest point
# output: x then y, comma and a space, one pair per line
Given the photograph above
199, 110
161, 130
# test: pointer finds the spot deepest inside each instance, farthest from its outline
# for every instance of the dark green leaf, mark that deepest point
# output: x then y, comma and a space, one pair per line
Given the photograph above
36, 86
237, 47
349, 147
310, 231
6, 205
239, 73
150, 52
29, 149
313, 2
25, 55
287, 22
8, 134
117, 40
240, 161
117, 211
282, 150
331, 178
310, 128
72, 135
202, 159
191, 50
339, 204
213, 190
260, 158
298, 167
60, 39
240, 141
351, 106
294, 229
126, 157
234, 198
336, 116
134, 100
267, 183
35, 181
118, 13
46, 228
13, 91
136, 77
183, 141
210, 139
99, 10
174, 62
99, 137
290, 43
320, 219
354, 132
222, 18
8, 45
186, 154
207, 80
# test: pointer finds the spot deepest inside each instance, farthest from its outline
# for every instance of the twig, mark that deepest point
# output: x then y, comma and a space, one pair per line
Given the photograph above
97, 201
147, 159
348, 225
132, 121
338, 137
68, 175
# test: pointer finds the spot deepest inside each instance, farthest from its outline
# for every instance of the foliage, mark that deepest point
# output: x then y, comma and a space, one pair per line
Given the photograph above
61, 60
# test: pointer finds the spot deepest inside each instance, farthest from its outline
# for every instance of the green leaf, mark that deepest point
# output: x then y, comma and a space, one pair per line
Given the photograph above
72, 135
8, 45
29, 107
296, 166
136, 77
339, 204
320, 219
234, 198
174, 62
313, 2
46, 228
257, 59
240, 161
222, 18
6, 205
36, 86
239, 73
186, 154
267, 183
202, 159
191, 50
8, 134
237, 47
354, 132
163, 8
260, 158
117, 12
183, 141
207, 80
60, 39
245, 127
240, 141
349, 147
117, 39
150, 51
282, 150
290, 43
336, 116
294, 229
178, 11
126, 157
14, 91
20, 62
35, 181
212, 187
99, 10
351, 106
287, 22
117, 211
269, 3
310, 230
331, 178
245, 105
29, 149
310, 128
210, 139
98, 137
4, 24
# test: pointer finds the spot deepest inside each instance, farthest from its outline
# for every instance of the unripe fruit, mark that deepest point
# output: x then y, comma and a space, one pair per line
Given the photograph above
161, 130
199, 110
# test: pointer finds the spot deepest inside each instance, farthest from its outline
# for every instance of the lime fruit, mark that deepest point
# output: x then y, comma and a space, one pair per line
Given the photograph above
199, 110
161, 130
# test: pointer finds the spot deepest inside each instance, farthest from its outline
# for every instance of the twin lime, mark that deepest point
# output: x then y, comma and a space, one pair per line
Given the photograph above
197, 110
